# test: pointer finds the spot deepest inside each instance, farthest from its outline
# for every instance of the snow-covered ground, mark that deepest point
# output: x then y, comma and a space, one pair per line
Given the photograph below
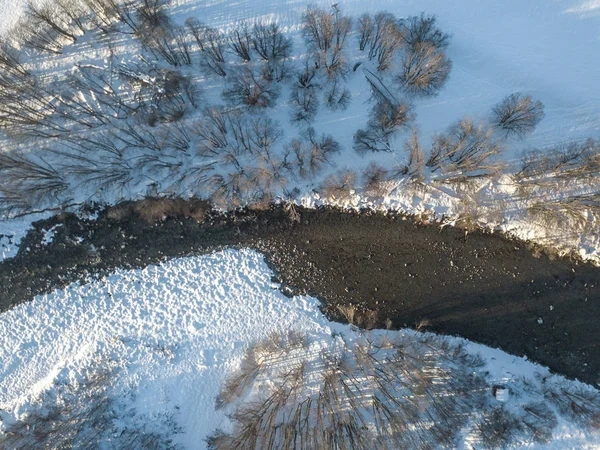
175, 331
547, 49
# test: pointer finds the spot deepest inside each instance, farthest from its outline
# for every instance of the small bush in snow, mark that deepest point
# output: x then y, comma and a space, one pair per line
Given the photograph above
337, 98
311, 152
376, 182
517, 114
499, 429
83, 415
415, 167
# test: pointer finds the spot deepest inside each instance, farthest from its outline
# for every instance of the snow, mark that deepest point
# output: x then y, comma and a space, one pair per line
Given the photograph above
13, 230
177, 330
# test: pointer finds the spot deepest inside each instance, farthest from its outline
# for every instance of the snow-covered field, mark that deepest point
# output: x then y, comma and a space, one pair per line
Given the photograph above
172, 333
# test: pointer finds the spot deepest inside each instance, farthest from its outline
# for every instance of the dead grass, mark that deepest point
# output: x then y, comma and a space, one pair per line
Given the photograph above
157, 209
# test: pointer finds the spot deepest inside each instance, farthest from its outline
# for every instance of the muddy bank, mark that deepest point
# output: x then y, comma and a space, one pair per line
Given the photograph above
482, 287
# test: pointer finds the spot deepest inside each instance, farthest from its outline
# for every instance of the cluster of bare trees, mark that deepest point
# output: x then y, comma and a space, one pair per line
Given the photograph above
424, 65
260, 41
575, 166
382, 36
376, 392
242, 157
325, 35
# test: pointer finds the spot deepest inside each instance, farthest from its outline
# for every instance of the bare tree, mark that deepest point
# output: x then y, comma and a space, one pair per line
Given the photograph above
423, 30
39, 37
385, 40
246, 88
198, 31
10, 63
517, 114
304, 99
325, 35
47, 15
270, 43
425, 70
28, 181
311, 152
414, 169
106, 12
29, 108
467, 150
74, 11
240, 41
168, 42
386, 121
366, 30
212, 47
336, 97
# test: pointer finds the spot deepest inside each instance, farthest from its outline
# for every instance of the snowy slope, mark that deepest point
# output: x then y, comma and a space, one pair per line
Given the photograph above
175, 331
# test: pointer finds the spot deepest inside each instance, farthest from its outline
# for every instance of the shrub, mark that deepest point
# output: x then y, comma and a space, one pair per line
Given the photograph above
376, 180
156, 209
517, 114
423, 30
325, 35
385, 39
499, 429
386, 121
467, 150
304, 99
240, 40
425, 70
339, 186
246, 88
336, 97
310, 153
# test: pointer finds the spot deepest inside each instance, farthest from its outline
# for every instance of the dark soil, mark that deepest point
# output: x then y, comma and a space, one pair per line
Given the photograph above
483, 287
